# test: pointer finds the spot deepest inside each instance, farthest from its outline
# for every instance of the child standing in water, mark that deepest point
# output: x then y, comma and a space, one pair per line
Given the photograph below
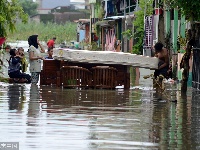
24, 63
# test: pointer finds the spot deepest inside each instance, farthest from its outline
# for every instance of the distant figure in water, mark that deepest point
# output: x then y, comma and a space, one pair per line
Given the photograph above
163, 66
7, 48
51, 43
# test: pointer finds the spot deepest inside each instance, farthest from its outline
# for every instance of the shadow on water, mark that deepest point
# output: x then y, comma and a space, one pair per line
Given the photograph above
48, 117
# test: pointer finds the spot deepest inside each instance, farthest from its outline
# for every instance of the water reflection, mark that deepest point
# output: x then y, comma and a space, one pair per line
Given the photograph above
195, 120
14, 97
93, 99
34, 102
171, 123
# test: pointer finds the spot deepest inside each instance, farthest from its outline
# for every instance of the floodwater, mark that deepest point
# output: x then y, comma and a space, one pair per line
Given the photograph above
49, 118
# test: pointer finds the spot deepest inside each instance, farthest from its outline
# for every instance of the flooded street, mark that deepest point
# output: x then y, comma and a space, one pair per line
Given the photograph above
54, 118
49, 117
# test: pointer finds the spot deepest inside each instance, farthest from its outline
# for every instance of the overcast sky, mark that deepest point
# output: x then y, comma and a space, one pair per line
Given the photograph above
77, 0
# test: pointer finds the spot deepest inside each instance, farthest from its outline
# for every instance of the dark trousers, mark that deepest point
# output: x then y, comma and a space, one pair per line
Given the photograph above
162, 71
18, 74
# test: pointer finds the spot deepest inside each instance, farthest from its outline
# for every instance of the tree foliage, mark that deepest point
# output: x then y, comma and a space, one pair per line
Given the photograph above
189, 8
29, 7
10, 12
146, 9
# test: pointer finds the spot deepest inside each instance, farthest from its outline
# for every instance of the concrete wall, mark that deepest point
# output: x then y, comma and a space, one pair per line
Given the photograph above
59, 17
69, 16
36, 18
43, 11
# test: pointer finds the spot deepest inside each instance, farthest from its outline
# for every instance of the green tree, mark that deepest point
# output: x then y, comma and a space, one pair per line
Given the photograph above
10, 13
29, 7
145, 8
189, 8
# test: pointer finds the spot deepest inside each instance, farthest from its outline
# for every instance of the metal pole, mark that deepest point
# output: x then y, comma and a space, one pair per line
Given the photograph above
144, 26
125, 28
91, 23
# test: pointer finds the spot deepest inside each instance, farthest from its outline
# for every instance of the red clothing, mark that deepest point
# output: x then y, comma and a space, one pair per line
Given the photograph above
95, 38
50, 43
2, 40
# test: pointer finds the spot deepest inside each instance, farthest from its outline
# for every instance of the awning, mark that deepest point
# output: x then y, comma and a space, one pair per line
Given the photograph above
83, 20
105, 23
119, 17
114, 17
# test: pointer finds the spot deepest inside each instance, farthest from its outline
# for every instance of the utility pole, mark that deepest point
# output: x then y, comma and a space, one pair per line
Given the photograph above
92, 16
125, 28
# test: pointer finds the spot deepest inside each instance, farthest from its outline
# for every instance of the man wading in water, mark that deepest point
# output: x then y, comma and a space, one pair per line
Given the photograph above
163, 66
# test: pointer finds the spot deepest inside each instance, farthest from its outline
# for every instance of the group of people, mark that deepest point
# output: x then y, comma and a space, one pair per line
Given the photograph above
18, 64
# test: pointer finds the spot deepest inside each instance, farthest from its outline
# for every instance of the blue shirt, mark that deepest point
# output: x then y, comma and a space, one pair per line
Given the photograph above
14, 64
48, 57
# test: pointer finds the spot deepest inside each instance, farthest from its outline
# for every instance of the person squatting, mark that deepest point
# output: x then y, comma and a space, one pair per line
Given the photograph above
14, 68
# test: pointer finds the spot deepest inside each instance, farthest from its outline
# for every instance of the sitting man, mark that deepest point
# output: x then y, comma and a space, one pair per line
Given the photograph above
163, 65
15, 67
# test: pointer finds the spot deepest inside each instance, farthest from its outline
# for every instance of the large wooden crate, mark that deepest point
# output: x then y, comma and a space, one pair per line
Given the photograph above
104, 77
75, 76
52, 73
